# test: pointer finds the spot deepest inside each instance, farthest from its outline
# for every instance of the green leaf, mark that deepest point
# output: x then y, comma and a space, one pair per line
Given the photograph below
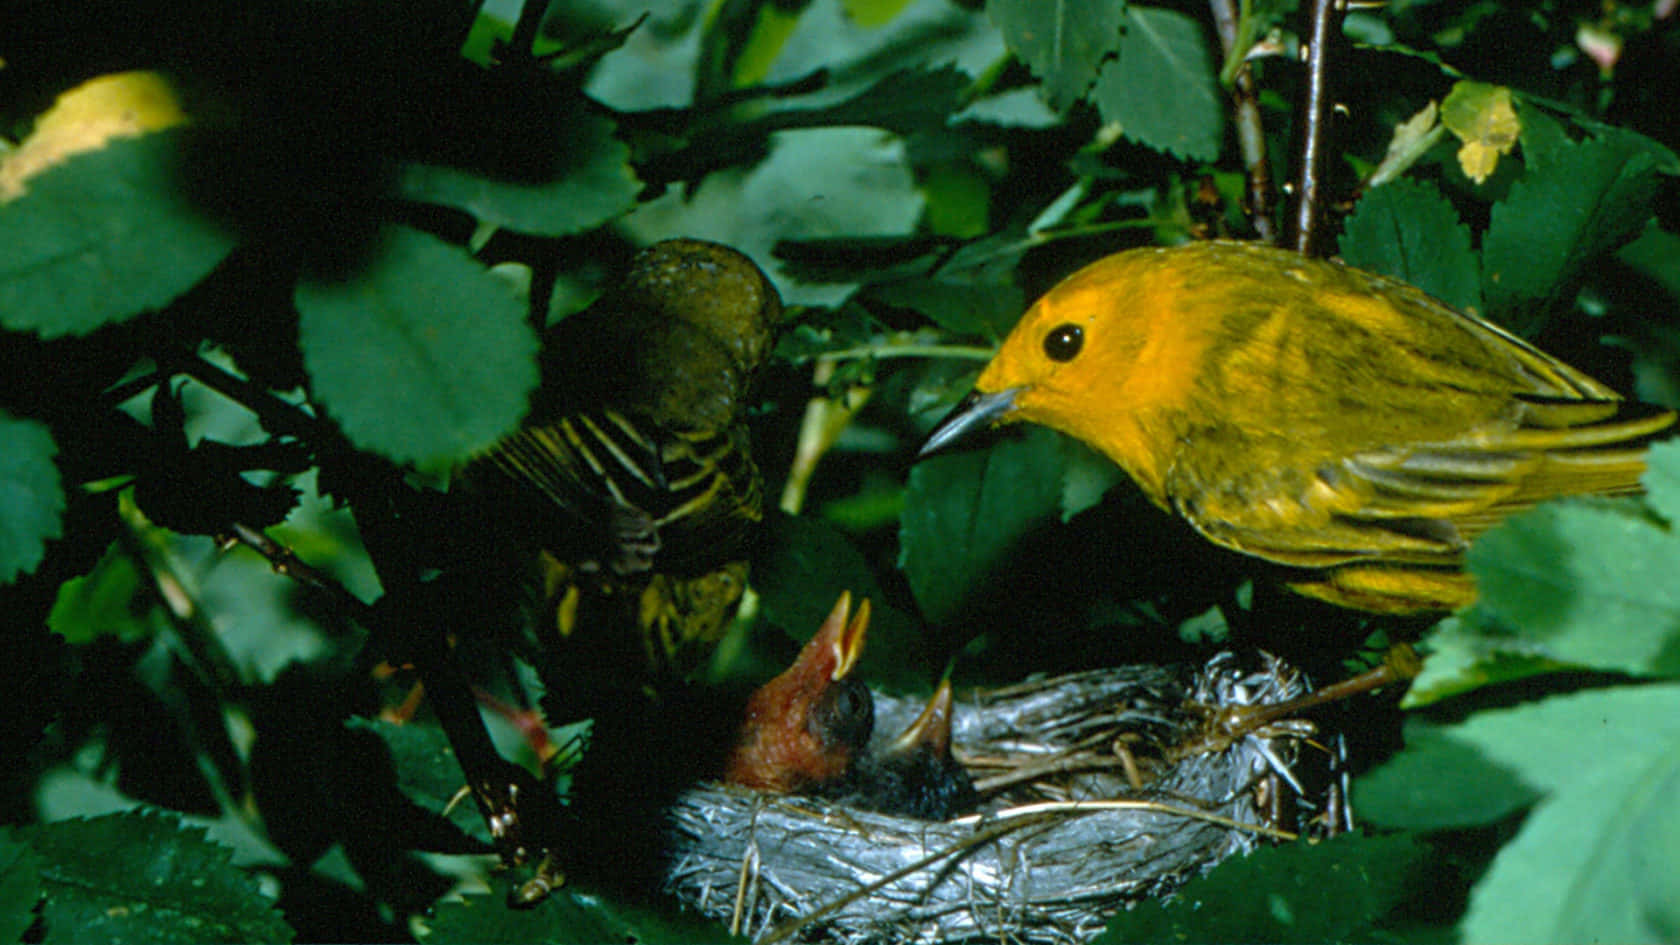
1662, 480
1470, 650
1586, 584
1299, 892
20, 888
1162, 90
1594, 860
589, 184
1588, 200
101, 238
964, 512
1599, 863
1086, 478
1407, 230
427, 772
142, 877
1441, 783
874, 12
111, 600
31, 498
568, 915
1063, 42
1542, 137
422, 356
819, 182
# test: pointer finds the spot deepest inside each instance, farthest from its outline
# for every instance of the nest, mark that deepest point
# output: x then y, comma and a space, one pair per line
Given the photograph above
1100, 789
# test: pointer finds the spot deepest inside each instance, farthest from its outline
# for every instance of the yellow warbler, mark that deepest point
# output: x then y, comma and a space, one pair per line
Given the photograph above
1338, 423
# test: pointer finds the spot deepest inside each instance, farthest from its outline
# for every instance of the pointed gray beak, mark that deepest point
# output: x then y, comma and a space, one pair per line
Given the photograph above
973, 412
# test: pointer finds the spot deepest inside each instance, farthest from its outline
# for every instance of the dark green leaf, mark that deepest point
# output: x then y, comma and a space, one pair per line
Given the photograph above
590, 183
101, 238
804, 565
1063, 42
1542, 138
818, 182
1162, 90
1590, 585
20, 888
31, 499
965, 511
1300, 892
569, 915
1407, 230
973, 293
422, 356
142, 877
1588, 200
905, 101
427, 772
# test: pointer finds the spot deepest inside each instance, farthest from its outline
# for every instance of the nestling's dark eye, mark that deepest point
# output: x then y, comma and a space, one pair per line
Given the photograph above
1064, 341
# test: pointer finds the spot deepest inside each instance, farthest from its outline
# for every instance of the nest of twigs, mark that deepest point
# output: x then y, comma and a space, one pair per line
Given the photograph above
1099, 789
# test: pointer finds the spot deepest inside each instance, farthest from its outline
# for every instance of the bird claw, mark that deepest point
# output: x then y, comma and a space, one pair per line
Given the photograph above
521, 813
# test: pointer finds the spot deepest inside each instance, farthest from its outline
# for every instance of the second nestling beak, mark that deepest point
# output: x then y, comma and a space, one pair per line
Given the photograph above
802, 730
916, 774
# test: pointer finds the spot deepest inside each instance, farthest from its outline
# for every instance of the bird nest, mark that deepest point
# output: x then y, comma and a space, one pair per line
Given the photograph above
1100, 789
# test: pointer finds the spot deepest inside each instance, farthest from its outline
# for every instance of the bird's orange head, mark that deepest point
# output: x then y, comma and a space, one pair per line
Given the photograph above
1098, 357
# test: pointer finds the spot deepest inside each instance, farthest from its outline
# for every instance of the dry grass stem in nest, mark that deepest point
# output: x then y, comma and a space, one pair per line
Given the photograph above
1100, 789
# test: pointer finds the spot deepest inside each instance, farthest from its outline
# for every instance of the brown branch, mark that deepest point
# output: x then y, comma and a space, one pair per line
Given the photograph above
1325, 24
284, 561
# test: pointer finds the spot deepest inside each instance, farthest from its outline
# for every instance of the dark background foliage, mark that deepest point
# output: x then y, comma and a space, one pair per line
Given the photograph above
332, 277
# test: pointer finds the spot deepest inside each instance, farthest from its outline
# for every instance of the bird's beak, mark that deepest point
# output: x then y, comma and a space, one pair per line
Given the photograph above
931, 729
971, 413
841, 639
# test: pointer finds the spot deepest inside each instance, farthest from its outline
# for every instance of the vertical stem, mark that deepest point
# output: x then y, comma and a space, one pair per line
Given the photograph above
1325, 23
1251, 135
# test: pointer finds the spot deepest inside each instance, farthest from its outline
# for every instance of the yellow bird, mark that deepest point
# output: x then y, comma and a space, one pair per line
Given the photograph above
1341, 424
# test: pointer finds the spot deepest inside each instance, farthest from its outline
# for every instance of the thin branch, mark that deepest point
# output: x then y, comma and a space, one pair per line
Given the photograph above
273, 412
1399, 664
1325, 24
286, 562
1245, 101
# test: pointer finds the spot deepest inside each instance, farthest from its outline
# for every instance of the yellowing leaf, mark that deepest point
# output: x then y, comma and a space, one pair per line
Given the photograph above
1485, 119
1412, 138
86, 118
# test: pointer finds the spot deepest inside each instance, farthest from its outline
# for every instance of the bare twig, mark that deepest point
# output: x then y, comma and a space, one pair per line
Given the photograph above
1399, 664
1325, 23
286, 562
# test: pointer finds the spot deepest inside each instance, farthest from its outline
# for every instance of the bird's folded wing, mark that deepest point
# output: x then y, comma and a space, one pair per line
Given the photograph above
584, 481
1424, 504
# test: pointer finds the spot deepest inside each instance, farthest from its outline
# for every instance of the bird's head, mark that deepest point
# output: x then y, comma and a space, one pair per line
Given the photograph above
1091, 357
803, 728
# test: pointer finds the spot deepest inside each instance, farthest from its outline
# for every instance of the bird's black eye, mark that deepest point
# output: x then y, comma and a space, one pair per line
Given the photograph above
1064, 341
